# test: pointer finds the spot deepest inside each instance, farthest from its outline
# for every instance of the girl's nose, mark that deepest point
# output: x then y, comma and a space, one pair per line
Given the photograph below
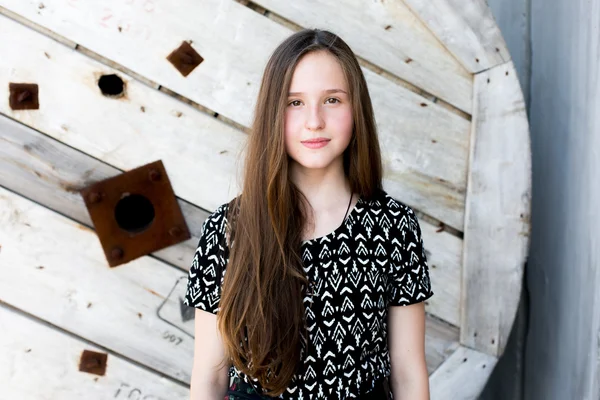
314, 118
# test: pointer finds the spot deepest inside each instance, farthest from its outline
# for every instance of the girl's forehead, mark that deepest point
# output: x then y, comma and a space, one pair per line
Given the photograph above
316, 72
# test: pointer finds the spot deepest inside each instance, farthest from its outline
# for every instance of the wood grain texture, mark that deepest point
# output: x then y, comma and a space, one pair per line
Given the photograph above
42, 363
444, 257
467, 29
441, 341
425, 146
497, 220
199, 152
59, 264
387, 34
462, 376
51, 173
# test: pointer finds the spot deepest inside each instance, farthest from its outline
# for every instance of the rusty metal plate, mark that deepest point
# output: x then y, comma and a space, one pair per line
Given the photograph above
93, 362
185, 58
23, 96
135, 213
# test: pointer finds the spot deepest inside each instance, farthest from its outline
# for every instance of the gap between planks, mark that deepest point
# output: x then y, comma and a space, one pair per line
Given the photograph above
363, 62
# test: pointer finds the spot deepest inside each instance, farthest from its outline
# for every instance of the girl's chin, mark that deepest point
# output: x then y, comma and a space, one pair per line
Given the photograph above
314, 164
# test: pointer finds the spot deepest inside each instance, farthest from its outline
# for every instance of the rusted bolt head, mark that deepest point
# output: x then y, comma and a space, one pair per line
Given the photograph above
154, 175
94, 197
116, 253
175, 231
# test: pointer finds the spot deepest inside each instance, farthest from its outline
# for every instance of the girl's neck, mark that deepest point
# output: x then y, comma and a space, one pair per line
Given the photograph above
325, 189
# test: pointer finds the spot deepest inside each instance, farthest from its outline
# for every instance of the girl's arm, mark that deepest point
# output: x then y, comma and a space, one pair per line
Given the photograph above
207, 381
406, 343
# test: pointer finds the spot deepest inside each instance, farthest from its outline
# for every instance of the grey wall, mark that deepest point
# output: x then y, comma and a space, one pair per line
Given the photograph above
561, 354
553, 349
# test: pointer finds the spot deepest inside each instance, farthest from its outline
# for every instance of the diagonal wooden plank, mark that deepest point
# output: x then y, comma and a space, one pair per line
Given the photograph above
59, 264
462, 376
39, 362
467, 28
497, 222
51, 173
425, 146
387, 34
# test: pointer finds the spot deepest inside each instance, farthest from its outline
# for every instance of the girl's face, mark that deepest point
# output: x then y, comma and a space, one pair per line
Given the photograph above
318, 116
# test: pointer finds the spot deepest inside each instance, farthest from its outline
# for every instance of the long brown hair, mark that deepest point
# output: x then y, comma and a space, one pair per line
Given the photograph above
261, 310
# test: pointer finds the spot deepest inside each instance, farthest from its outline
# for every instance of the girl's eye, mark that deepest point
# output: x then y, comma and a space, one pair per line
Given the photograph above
333, 98
293, 102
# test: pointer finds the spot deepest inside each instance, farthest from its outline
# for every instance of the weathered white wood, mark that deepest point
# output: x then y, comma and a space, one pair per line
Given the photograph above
425, 146
51, 173
424, 151
441, 340
42, 363
444, 256
497, 213
462, 376
467, 28
387, 34
60, 266
199, 152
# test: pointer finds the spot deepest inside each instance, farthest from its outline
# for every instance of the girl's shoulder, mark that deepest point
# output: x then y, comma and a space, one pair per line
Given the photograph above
220, 215
391, 215
382, 202
215, 226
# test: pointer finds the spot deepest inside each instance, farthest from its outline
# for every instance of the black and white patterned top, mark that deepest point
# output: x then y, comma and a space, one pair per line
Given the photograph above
373, 260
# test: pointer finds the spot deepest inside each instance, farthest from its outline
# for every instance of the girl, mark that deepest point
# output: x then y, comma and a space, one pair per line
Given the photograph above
310, 284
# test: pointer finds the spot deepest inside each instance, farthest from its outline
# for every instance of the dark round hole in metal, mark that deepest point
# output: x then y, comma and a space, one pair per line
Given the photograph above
134, 213
111, 85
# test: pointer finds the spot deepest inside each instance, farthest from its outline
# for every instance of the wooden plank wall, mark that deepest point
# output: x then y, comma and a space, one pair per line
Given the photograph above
388, 35
43, 363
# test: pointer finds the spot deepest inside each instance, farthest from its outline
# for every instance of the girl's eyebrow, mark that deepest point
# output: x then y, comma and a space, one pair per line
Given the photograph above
328, 91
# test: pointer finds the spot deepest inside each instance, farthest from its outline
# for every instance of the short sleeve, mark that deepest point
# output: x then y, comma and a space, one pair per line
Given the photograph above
205, 276
408, 282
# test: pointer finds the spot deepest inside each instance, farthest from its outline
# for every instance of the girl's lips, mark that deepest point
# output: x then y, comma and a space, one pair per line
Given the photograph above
315, 143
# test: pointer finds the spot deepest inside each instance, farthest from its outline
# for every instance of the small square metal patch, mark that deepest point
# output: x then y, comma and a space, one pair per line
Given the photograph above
93, 362
185, 58
135, 213
24, 96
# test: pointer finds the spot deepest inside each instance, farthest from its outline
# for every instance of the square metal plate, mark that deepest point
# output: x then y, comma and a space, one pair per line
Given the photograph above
23, 96
185, 58
93, 362
135, 213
